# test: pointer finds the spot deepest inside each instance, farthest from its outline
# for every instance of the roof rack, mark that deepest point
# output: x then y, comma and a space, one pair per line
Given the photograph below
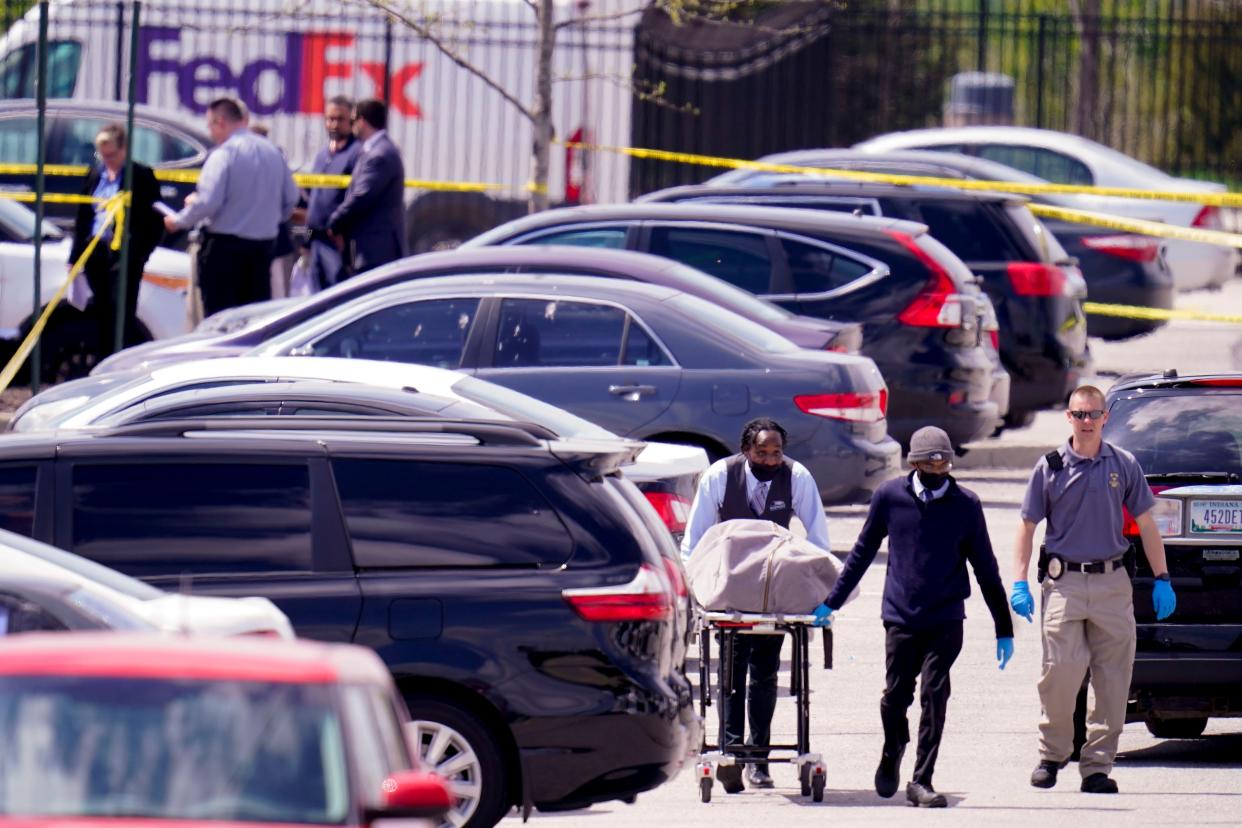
488, 432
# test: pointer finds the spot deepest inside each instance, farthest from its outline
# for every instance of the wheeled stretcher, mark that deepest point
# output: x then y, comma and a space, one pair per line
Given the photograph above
726, 626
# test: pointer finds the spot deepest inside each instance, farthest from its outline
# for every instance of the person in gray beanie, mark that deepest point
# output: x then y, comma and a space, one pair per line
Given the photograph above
934, 526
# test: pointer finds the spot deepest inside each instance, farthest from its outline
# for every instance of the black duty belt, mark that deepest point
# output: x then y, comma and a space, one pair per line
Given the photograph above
1056, 562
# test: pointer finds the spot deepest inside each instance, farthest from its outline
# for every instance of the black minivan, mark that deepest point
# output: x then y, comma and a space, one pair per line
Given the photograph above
517, 586
917, 302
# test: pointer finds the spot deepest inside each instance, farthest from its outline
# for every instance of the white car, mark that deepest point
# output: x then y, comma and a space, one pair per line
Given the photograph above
161, 295
1070, 159
195, 614
667, 473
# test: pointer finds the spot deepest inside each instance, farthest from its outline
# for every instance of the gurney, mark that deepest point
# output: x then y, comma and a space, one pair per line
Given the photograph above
812, 773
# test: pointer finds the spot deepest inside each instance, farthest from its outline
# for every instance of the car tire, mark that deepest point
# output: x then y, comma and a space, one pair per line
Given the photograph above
69, 348
1176, 728
453, 743
1019, 419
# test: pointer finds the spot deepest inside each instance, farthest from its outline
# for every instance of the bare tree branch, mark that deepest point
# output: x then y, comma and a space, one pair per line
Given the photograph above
587, 19
532, 5
445, 49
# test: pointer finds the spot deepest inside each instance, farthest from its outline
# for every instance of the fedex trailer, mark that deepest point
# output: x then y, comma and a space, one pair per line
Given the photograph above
285, 59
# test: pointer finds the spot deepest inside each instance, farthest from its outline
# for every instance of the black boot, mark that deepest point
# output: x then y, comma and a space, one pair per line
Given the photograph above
1098, 783
730, 776
924, 796
1045, 775
888, 774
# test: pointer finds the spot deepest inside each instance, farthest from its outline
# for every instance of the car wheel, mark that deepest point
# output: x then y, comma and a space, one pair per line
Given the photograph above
1176, 728
1019, 419
69, 348
454, 744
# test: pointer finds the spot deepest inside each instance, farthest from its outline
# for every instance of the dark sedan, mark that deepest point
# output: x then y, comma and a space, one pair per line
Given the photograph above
1121, 268
1034, 287
640, 360
248, 326
921, 323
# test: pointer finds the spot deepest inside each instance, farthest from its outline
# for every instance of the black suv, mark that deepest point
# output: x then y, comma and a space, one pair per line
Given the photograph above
515, 585
1185, 432
1035, 287
922, 320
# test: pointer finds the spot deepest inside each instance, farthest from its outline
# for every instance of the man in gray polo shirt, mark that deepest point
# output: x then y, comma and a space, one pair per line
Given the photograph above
1087, 612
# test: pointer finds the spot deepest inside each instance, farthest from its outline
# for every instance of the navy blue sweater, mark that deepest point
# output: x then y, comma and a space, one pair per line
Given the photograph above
928, 547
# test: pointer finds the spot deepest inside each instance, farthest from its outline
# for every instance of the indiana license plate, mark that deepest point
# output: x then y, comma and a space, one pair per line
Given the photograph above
1211, 517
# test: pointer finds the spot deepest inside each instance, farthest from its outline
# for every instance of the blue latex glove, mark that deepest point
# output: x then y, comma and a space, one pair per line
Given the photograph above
1004, 651
1163, 599
823, 616
1021, 601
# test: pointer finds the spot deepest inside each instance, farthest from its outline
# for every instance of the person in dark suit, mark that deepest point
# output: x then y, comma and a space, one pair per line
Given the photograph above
102, 269
368, 225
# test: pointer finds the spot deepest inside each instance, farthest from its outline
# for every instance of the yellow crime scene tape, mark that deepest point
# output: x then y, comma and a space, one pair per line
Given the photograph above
304, 180
314, 180
114, 214
1213, 199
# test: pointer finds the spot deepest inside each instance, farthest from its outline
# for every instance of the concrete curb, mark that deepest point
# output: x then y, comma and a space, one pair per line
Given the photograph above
985, 456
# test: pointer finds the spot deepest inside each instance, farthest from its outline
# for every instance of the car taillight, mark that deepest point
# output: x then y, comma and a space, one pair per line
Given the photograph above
1131, 248
1130, 527
675, 578
673, 509
1208, 218
1036, 279
938, 305
994, 335
1219, 382
645, 598
859, 408
836, 349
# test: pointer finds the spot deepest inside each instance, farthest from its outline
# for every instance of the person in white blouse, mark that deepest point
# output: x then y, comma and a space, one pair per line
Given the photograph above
759, 483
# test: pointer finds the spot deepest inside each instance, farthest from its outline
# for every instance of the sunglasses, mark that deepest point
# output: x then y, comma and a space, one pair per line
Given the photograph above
1082, 415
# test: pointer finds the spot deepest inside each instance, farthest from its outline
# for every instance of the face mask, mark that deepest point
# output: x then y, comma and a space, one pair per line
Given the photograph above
931, 481
764, 474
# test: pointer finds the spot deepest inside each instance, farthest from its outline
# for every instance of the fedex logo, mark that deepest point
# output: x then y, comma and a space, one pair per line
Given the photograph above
300, 76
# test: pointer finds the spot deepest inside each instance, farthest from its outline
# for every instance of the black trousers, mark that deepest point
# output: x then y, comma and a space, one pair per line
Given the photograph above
102, 271
233, 271
760, 656
926, 654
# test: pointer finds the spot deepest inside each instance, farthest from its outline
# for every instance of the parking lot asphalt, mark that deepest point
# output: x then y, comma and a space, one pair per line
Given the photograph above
989, 747
990, 743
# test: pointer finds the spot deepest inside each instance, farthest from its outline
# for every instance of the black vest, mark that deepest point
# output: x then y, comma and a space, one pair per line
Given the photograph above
736, 506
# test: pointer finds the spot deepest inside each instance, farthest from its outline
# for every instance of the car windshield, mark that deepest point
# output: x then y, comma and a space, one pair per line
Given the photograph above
19, 220
55, 405
171, 749
1183, 433
528, 409
726, 323
12, 544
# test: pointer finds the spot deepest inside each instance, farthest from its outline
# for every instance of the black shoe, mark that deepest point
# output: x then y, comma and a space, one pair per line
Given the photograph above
730, 776
758, 777
924, 796
1045, 776
1098, 783
888, 774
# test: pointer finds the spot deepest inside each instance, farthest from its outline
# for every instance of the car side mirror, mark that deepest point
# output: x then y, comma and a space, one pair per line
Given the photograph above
412, 795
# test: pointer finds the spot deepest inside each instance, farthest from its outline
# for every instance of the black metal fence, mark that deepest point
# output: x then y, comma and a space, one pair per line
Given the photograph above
1159, 80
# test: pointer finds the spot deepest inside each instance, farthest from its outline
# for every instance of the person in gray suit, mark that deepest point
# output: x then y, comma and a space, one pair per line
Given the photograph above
368, 225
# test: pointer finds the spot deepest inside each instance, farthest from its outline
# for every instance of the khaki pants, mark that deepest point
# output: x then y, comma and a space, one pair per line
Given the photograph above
1087, 621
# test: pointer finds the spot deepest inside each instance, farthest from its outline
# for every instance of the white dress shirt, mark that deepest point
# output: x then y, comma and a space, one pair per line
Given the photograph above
919, 488
370, 143
705, 512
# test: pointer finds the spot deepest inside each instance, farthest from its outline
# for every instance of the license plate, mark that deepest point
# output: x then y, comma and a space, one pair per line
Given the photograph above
1211, 517
1220, 555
